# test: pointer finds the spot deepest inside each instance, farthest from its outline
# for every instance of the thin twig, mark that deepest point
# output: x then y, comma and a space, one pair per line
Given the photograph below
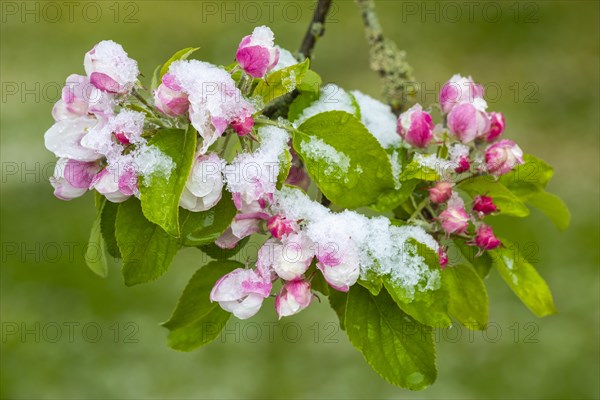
316, 29
387, 60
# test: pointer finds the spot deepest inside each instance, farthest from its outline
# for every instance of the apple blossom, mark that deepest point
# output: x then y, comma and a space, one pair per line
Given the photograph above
204, 186
109, 67
441, 192
72, 178
279, 226
416, 126
497, 125
484, 205
339, 263
292, 258
241, 292
459, 90
169, 97
108, 183
469, 121
256, 53
485, 238
454, 219
64, 139
502, 157
294, 297
443, 256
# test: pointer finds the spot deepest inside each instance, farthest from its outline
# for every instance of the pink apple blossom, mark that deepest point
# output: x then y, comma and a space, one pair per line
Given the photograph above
204, 186
415, 126
502, 157
279, 226
109, 68
497, 125
485, 238
169, 97
339, 263
72, 178
294, 297
441, 192
469, 121
241, 292
459, 90
256, 53
484, 205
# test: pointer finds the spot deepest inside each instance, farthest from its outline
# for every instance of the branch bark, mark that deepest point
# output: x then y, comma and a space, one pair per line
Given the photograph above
399, 85
315, 30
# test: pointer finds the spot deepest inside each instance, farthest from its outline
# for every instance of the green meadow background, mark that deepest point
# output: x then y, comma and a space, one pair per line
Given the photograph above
68, 334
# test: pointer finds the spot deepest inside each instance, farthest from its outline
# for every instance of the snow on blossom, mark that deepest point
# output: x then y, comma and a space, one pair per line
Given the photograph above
382, 248
378, 118
331, 98
215, 101
254, 175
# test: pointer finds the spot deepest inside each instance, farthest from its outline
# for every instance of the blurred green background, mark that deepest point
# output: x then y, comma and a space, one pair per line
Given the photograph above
68, 334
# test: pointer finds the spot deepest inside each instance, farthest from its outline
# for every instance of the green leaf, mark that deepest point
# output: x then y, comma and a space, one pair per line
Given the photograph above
429, 307
147, 250
523, 279
160, 194
285, 163
482, 263
337, 301
180, 55
394, 198
528, 177
311, 83
468, 299
397, 347
214, 251
372, 282
347, 163
280, 82
204, 227
107, 226
553, 207
302, 101
504, 199
95, 254
156, 79
414, 170
197, 321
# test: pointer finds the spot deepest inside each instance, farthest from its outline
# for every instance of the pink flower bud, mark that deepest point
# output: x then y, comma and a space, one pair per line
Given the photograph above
292, 258
241, 292
243, 126
485, 238
459, 90
463, 165
294, 297
279, 226
256, 53
441, 192
339, 264
415, 126
468, 121
454, 220
109, 67
72, 178
169, 97
502, 157
204, 186
443, 257
106, 182
484, 205
497, 125
128, 181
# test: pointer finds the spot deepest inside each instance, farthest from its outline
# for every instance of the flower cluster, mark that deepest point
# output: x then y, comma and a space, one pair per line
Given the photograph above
472, 138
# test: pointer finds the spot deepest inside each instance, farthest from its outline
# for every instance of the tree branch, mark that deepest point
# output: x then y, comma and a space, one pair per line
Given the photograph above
387, 60
316, 29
